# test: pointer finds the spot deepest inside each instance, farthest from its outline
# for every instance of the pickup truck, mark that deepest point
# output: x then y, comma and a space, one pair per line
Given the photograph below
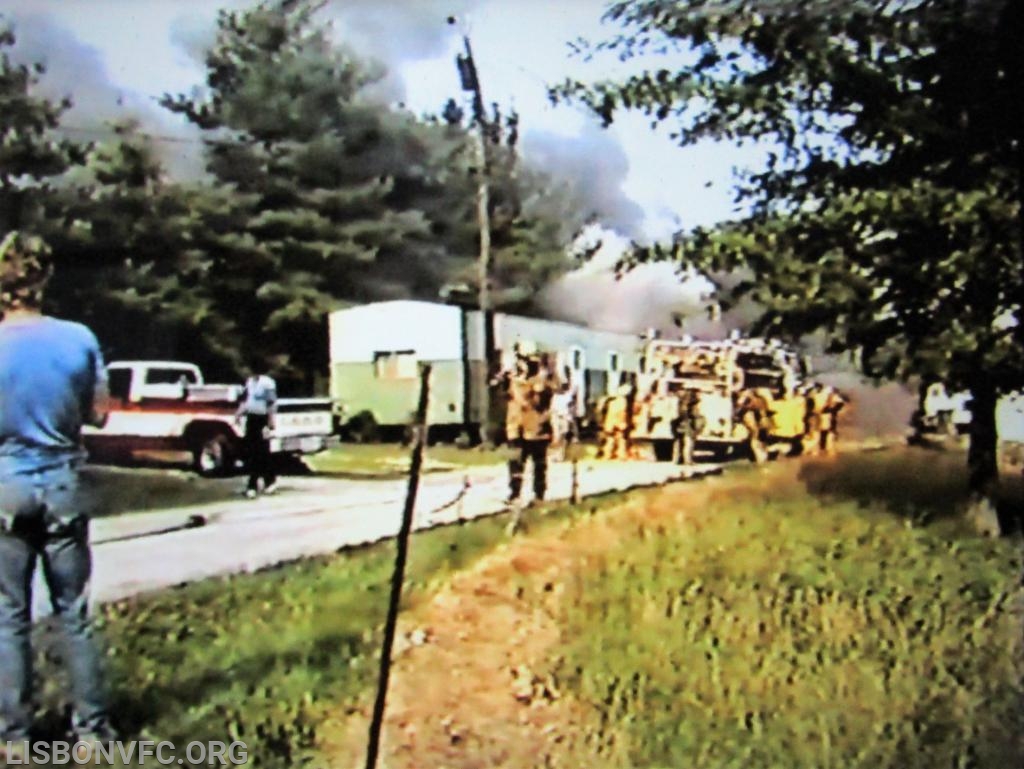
166, 406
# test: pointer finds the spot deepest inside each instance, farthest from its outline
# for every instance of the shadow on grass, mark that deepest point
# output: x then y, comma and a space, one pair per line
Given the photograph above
284, 464
147, 485
922, 485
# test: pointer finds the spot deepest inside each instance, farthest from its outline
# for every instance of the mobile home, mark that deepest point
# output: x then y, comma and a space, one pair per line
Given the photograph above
376, 349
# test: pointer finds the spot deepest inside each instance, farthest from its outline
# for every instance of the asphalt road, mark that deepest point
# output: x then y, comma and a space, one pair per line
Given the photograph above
316, 515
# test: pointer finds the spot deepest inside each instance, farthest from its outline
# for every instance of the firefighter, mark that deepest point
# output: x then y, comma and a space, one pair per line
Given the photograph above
834, 402
690, 424
752, 411
528, 425
823, 406
616, 415
812, 441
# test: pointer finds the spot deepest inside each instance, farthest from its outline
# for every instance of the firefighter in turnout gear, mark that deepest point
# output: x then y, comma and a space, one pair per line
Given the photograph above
690, 425
752, 413
616, 418
530, 388
823, 406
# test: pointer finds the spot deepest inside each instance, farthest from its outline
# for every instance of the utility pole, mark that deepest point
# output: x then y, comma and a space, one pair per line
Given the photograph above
471, 82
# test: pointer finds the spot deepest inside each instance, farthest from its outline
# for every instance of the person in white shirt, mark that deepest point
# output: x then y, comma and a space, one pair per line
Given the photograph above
258, 408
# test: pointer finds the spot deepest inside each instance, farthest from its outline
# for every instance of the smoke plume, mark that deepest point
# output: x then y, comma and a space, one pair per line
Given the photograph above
76, 71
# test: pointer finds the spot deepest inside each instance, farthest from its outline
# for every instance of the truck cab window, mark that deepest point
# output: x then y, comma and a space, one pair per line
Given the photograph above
170, 376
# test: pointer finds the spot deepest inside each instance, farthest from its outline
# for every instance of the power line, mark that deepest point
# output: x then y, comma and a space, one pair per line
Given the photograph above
104, 131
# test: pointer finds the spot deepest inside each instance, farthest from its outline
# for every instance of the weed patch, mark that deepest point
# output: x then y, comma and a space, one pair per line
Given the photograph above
263, 658
776, 627
259, 658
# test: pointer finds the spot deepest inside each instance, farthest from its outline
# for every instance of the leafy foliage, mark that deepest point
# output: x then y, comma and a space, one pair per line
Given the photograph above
31, 153
888, 214
317, 196
333, 197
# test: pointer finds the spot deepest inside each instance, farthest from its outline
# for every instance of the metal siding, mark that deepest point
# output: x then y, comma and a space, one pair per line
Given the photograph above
431, 330
393, 401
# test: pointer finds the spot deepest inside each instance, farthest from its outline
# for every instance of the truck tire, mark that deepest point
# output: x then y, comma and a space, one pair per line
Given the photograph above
213, 455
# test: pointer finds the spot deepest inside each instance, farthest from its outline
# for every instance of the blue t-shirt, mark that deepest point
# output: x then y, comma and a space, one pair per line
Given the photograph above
49, 373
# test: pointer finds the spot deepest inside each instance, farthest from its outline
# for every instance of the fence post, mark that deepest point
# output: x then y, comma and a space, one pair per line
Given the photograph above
397, 577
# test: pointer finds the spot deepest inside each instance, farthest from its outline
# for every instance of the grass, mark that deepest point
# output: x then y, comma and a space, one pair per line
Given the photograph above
389, 460
262, 658
839, 619
802, 625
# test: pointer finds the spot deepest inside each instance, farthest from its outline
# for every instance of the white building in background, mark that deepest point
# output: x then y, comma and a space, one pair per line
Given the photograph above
376, 349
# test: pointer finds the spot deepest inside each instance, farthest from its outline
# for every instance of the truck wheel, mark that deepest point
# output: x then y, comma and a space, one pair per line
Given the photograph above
213, 456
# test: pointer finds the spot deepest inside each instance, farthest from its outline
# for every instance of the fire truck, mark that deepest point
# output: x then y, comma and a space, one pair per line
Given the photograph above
719, 398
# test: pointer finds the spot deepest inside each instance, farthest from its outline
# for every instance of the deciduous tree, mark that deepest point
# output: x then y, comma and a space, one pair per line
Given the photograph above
888, 212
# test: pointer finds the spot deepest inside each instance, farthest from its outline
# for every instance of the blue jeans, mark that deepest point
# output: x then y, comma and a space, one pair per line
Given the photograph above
41, 521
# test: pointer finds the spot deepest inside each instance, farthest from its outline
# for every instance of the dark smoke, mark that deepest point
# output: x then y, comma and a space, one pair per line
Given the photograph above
595, 166
76, 71
73, 70
648, 297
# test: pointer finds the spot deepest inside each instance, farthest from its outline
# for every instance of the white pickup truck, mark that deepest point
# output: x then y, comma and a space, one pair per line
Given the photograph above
165, 406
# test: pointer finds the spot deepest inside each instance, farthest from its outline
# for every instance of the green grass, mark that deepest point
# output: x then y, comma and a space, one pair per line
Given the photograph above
389, 460
807, 624
262, 658
793, 626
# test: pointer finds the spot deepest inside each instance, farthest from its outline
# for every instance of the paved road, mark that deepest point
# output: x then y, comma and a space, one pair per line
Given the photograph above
317, 515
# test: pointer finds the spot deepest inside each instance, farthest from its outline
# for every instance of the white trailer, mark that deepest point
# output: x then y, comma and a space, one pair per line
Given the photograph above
375, 351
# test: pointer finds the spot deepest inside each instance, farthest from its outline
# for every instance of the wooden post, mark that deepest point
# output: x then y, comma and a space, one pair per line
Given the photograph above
574, 451
397, 577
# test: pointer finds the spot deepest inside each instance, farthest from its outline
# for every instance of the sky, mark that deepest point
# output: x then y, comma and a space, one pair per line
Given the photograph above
117, 57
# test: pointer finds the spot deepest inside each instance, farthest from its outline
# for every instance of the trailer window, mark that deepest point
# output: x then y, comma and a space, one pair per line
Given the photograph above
613, 361
399, 364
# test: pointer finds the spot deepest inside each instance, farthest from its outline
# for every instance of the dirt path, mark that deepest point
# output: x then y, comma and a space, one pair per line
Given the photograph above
464, 694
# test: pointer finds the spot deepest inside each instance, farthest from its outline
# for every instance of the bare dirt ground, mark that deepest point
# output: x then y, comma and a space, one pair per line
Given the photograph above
464, 694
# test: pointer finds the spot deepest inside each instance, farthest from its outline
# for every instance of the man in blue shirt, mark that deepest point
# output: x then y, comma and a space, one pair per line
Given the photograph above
52, 381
